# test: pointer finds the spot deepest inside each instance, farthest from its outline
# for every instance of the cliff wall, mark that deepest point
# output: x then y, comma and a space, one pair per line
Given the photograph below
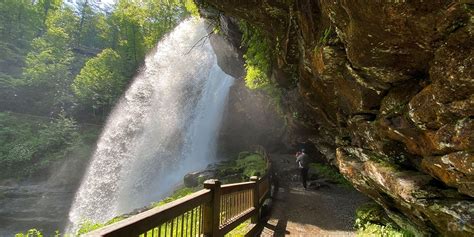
385, 91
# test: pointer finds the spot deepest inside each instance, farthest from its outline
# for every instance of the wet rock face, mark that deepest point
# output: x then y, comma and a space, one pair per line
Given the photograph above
250, 118
390, 87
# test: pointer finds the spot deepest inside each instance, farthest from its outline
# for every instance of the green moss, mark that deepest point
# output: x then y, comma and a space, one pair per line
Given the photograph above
251, 165
246, 165
389, 162
330, 173
382, 230
182, 192
240, 230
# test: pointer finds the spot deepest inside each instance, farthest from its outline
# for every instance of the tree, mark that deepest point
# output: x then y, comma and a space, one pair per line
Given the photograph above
161, 17
92, 25
45, 6
129, 17
48, 68
19, 24
101, 82
64, 19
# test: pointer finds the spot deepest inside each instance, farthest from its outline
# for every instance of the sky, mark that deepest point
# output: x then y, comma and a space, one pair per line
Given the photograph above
103, 3
109, 1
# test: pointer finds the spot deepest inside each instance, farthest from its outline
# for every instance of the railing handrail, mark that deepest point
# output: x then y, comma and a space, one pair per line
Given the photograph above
208, 200
235, 187
146, 220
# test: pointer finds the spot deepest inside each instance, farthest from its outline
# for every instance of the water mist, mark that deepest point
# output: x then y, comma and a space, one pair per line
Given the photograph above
165, 126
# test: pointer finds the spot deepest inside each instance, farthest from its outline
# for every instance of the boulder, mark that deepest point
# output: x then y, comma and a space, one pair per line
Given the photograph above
413, 192
195, 179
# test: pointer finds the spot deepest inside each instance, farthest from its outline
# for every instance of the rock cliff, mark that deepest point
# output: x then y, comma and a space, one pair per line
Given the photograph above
251, 118
386, 92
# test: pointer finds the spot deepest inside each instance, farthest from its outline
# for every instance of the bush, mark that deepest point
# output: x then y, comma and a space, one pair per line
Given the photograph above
258, 64
257, 57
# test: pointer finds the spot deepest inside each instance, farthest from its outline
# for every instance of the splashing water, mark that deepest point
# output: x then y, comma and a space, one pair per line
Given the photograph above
165, 126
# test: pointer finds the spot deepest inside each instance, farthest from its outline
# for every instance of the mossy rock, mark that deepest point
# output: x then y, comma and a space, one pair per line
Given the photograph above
252, 164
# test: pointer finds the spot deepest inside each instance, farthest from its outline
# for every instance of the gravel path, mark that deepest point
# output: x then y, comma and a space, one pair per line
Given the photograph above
327, 211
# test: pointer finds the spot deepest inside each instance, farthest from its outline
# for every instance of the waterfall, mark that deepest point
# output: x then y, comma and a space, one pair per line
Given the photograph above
164, 126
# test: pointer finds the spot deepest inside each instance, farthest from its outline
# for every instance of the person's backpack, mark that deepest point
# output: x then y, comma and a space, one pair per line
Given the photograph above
302, 160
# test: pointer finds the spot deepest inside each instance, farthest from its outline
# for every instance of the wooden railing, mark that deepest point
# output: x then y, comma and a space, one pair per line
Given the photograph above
213, 211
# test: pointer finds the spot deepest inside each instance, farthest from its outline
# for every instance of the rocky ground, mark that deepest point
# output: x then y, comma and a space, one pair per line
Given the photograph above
326, 210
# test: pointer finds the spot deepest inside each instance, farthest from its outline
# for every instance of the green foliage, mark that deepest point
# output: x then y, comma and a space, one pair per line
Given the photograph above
246, 165
101, 81
19, 25
45, 44
382, 230
91, 27
48, 67
257, 57
182, 192
30, 145
329, 173
50, 58
240, 230
30, 233
325, 37
258, 64
162, 17
65, 20
45, 7
191, 7
371, 220
129, 18
138, 26
251, 164
19, 20
88, 225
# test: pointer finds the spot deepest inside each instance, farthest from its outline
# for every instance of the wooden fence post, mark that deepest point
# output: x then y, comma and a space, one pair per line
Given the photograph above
212, 210
256, 199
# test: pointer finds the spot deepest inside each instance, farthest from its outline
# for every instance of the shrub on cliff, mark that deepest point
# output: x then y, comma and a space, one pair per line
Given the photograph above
257, 57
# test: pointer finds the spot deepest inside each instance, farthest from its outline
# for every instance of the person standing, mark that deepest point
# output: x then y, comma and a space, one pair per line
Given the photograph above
302, 160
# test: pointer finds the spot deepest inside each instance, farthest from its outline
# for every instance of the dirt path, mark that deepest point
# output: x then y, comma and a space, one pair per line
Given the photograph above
326, 211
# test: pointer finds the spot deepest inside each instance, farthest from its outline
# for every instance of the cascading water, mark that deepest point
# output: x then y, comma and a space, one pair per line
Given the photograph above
165, 126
